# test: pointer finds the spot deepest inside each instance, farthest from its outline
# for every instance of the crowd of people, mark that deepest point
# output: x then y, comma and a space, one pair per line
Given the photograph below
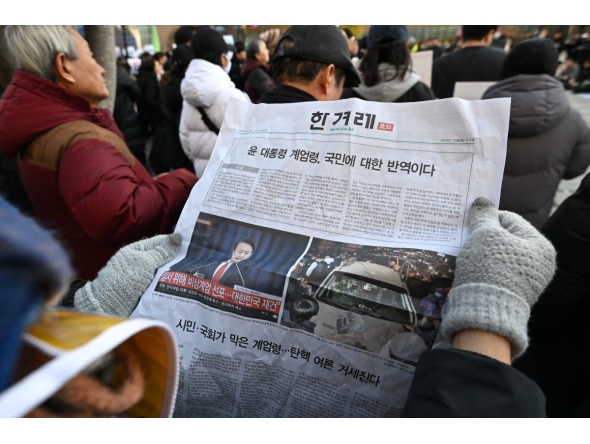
85, 176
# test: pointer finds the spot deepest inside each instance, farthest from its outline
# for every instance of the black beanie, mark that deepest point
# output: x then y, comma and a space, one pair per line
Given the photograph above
533, 56
208, 44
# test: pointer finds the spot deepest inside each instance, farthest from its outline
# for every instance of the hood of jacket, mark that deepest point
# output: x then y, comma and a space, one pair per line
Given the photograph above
538, 103
250, 65
388, 90
202, 83
31, 105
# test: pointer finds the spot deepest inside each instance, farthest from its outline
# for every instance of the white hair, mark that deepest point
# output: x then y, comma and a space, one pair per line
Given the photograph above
34, 48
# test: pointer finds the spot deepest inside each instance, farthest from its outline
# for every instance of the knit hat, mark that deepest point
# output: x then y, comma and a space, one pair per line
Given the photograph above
385, 36
533, 56
208, 44
324, 44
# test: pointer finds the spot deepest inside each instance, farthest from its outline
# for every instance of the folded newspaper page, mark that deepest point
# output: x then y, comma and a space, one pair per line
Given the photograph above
318, 250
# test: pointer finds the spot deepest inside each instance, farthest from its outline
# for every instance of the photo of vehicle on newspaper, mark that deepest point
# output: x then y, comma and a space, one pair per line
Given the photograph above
384, 300
235, 266
309, 285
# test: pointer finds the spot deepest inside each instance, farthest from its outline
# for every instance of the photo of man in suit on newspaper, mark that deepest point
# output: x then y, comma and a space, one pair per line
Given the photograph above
231, 272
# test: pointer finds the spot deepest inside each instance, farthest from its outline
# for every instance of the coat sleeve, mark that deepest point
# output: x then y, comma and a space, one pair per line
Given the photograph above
580, 158
452, 383
116, 202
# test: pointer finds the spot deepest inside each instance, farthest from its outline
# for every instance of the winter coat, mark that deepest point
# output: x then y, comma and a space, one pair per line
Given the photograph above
172, 97
235, 72
459, 384
558, 356
205, 85
470, 64
547, 141
149, 106
98, 197
175, 156
257, 79
127, 119
408, 89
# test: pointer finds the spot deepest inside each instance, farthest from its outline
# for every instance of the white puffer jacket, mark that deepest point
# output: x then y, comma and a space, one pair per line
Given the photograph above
206, 85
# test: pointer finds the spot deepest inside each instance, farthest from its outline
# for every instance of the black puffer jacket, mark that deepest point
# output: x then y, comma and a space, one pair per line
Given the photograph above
150, 107
547, 141
174, 156
127, 119
558, 357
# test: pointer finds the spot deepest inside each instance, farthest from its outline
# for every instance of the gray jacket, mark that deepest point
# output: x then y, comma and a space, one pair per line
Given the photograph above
547, 141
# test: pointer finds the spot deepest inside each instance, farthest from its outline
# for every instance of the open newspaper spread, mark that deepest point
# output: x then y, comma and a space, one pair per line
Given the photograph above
318, 251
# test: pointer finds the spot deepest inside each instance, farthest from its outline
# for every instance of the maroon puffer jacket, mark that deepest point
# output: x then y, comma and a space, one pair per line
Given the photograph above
97, 200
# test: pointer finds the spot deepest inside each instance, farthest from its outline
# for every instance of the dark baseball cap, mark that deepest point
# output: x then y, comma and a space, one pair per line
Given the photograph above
207, 43
386, 36
325, 44
182, 56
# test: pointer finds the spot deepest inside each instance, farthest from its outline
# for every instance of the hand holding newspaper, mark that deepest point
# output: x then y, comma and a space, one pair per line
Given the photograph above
318, 251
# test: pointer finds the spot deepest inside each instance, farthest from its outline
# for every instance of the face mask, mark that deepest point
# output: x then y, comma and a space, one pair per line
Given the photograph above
228, 67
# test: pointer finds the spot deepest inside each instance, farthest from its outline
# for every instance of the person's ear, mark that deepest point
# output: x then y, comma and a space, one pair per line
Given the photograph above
62, 68
327, 75
490, 37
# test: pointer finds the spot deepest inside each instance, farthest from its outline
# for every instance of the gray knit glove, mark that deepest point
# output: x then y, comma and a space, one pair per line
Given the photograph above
119, 285
502, 269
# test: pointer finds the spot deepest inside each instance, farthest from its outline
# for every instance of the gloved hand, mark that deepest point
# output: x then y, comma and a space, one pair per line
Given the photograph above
502, 269
119, 285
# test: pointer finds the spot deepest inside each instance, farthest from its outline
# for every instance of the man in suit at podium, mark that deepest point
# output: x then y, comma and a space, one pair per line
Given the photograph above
231, 272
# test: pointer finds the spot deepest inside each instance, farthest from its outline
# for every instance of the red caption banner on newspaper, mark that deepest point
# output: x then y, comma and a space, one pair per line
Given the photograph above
220, 292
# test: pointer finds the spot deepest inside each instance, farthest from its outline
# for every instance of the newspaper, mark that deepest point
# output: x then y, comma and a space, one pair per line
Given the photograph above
318, 250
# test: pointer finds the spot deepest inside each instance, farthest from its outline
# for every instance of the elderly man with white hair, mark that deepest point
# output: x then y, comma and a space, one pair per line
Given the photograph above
81, 178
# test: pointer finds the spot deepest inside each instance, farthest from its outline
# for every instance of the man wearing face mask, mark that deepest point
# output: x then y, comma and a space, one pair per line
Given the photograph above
206, 90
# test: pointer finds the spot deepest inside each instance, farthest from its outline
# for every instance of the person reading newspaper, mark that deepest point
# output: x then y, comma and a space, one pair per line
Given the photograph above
502, 269
311, 63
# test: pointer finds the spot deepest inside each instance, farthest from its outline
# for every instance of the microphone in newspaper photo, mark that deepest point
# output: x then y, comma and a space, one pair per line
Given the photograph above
228, 272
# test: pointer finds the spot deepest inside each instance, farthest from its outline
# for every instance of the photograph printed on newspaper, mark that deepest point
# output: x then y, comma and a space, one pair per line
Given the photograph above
318, 252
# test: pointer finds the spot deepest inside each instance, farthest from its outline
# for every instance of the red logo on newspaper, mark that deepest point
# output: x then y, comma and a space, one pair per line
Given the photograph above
385, 126
204, 222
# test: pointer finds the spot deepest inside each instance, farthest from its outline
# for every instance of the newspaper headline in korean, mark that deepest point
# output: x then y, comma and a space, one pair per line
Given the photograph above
318, 252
